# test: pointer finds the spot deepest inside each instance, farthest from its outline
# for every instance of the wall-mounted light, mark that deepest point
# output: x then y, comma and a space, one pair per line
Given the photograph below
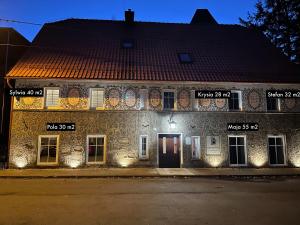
172, 123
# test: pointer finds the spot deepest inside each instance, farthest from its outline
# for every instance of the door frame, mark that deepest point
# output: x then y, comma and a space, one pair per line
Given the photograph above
180, 149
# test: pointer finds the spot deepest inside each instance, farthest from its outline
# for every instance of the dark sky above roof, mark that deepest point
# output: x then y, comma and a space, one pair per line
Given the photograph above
179, 11
91, 49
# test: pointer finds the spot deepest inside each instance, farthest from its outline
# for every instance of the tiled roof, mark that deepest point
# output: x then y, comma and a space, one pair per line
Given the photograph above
91, 49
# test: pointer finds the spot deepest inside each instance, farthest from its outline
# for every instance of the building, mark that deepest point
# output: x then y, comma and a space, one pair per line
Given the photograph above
12, 46
123, 93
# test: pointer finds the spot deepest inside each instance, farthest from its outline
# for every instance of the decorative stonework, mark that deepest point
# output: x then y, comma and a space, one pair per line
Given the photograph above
130, 98
74, 97
28, 103
184, 99
290, 103
155, 98
204, 102
114, 97
254, 99
220, 103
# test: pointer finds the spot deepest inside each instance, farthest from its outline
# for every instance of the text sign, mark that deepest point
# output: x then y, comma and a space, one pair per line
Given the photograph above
212, 94
60, 126
26, 92
242, 126
283, 93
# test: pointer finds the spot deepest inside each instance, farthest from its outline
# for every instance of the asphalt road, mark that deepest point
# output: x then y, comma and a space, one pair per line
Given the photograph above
149, 201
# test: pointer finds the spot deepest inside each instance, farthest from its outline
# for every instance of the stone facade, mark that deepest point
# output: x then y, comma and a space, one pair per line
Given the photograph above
122, 122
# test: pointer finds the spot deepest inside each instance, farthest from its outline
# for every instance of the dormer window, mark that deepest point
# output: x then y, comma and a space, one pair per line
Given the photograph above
127, 44
185, 58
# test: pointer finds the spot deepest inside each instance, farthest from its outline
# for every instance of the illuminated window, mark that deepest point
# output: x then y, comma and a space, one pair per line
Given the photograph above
169, 100
143, 99
52, 97
185, 58
96, 146
237, 150
143, 150
273, 104
196, 147
235, 101
48, 150
276, 148
97, 98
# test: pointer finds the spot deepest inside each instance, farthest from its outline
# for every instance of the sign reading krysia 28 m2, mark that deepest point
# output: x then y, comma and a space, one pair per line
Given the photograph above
212, 94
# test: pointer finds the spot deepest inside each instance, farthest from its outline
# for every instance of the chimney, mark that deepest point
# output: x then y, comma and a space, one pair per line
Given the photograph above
129, 16
203, 16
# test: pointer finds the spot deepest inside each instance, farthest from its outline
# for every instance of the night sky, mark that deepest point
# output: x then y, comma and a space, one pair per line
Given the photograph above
42, 11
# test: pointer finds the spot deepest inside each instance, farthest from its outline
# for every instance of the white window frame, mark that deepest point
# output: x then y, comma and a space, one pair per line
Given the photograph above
284, 149
87, 148
194, 101
145, 90
140, 147
45, 96
278, 103
196, 158
39, 150
239, 92
90, 98
246, 153
175, 99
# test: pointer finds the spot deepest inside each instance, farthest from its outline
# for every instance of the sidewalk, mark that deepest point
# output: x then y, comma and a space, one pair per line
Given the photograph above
146, 172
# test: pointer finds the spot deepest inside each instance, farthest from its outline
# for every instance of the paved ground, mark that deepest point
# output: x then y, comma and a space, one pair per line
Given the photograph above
156, 201
146, 172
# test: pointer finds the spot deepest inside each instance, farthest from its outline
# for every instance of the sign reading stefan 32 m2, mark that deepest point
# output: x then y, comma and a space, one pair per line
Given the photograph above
60, 126
283, 93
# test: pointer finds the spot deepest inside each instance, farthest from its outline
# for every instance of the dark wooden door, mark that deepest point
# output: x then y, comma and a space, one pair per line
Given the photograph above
169, 150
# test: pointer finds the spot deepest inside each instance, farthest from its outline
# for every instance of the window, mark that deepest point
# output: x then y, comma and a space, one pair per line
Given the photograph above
143, 150
185, 58
196, 147
143, 98
96, 147
127, 44
48, 150
169, 100
273, 104
52, 97
237, 150
276, 150
97, 98
235, 101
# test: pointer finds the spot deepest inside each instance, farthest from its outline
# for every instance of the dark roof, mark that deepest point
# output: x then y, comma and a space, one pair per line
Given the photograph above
203, 16
91, 49
11, 53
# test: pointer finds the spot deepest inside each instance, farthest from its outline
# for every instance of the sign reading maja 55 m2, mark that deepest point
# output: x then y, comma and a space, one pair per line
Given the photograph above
212, 94
283, 93
242, 126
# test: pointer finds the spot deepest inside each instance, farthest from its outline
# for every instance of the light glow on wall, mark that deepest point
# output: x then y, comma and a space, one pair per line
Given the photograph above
215, 161
20, 162
125, 162
258, 158
74, 160
295, 160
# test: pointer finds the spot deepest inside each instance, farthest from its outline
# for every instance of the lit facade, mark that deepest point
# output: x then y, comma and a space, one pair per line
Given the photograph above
126, 98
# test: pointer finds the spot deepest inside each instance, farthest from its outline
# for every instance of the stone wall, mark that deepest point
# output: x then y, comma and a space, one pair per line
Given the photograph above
74, 96
123, 128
